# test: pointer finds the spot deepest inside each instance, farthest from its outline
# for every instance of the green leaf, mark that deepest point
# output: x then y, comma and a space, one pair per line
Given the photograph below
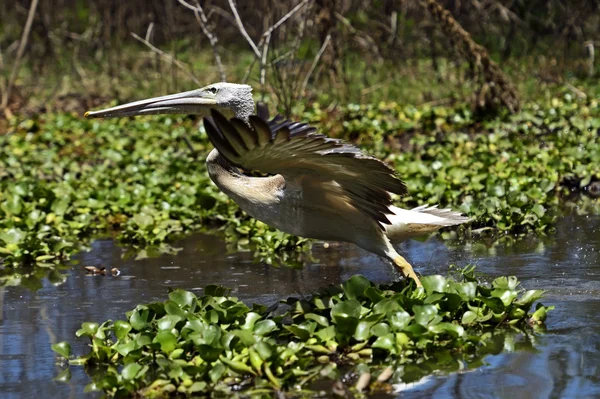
139, 319
64, 376
12, 236
238, 367
399, 320
88, 329
130, 371
469, 318
355, 287
167, 341
380, 329
424, 314
62, 348
345, 309
326, 334
321, 320
433, 284
121, 329
363, 330
529, 297
506, 296
385, 342
264, 327
182, 298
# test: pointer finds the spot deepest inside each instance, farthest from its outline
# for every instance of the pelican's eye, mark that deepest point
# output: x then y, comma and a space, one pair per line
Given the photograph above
212, 90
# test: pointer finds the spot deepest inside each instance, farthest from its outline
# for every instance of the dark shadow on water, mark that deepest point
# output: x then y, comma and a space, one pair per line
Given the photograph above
565, 364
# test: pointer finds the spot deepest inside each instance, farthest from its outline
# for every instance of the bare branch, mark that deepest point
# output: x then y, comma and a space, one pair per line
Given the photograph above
315, 62
240, 25
20, 52
170, 58
263, 62
285, 18
212, 38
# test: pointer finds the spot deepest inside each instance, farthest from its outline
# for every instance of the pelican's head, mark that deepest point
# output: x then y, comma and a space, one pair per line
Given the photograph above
230, 98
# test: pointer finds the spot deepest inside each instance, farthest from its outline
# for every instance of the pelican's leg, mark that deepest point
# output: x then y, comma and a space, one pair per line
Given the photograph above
406, 269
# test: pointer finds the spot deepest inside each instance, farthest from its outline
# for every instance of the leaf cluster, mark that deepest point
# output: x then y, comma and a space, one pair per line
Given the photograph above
215, 343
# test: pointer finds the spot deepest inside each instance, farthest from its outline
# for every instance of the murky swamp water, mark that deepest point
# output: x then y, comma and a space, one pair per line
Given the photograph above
565, 361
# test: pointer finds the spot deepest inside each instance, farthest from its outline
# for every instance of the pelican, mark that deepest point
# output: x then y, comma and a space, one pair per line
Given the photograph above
317, 187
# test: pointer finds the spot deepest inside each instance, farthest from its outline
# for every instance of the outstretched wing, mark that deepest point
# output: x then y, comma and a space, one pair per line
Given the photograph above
295, 151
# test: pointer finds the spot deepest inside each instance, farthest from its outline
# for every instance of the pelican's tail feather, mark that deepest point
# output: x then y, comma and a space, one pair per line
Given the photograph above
420, 220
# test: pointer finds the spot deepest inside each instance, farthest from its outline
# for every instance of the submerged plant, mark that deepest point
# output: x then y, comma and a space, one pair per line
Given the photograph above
215, 343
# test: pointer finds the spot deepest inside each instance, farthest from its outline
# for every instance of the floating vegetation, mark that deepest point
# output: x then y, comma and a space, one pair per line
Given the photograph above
64, 180
216, 344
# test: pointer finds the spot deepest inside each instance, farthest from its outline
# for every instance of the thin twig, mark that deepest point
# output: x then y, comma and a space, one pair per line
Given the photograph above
285, 18
315, 62
263, 63
170, 58
240, 25
212, 38
20, 52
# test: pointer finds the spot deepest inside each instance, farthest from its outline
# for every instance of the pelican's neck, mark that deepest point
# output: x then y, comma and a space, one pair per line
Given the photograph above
242, 107
248, 192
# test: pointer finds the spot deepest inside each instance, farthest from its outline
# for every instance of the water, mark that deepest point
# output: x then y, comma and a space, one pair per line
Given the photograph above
564, 364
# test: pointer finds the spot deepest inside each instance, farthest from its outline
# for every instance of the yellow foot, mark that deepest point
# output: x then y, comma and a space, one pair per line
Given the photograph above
406, 269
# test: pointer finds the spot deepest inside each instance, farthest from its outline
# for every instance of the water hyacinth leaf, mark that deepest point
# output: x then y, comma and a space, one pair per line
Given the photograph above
466, 290
355, 287
216, 291
168, 322
386, 342
12, 236
264, 327
298, 347
363, 330
130, 371
346, 314
125, 348
541, 312
433, 284
469, 318
506, 296
64, 376
167, 341
301, 333
172, 308
182, 298
121, 329
505, 283
245, 336
238, 367
209, 353
326, 334
380, 329
265, 350
450, 328
87, 329
251, 319
425, 314
345, 309
322, 320
139, 319
400, 320
386, 306
62, 348
529, 297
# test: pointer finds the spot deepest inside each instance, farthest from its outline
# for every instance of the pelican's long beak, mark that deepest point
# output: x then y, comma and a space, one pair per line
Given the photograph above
189, 102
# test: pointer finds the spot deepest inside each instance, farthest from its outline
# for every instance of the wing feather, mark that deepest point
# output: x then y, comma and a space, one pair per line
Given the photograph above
295, 150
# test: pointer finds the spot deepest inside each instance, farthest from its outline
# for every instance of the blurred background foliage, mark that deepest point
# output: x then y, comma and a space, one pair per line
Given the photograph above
80, 53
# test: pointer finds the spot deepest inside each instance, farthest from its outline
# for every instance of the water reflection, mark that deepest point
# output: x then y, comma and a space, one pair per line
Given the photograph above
566, 363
